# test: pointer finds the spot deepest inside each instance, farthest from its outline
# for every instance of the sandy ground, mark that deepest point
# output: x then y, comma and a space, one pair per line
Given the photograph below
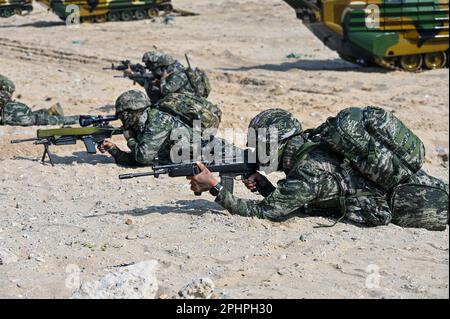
75, 213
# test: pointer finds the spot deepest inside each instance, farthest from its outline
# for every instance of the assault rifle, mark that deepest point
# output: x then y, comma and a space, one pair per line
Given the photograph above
125, 65
138, 76
140, 72
93, 131
227, 172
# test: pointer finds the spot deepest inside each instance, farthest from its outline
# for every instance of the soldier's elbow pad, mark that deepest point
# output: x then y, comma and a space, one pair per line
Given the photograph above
144, 159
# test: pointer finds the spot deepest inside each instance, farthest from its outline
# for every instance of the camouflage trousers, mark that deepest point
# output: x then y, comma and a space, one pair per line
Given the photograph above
19, 114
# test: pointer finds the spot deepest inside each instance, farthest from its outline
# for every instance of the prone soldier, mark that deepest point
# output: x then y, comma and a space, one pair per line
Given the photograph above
149, 128
16, 113
320, 182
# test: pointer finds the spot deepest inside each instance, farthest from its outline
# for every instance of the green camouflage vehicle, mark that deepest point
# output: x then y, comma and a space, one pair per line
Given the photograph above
406, 34
9, 8
108, 10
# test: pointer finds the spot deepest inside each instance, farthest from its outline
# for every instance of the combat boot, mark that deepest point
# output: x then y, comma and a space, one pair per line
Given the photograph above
56, 110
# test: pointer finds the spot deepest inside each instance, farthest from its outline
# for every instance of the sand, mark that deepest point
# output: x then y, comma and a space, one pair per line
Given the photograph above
75, 213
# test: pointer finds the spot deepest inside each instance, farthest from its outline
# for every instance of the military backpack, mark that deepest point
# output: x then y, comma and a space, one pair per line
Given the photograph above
375, 142
199, 81
189, 107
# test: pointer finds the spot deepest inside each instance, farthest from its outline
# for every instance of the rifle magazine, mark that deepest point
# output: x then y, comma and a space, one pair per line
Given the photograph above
227, 183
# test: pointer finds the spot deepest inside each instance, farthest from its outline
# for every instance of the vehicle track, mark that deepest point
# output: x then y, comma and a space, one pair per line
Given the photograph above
28, 51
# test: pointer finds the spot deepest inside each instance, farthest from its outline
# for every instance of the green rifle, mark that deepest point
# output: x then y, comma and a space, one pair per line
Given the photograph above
90, 135
227, 171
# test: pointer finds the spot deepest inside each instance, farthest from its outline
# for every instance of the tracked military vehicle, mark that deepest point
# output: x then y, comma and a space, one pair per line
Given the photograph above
8, 8
407, 34
108, 10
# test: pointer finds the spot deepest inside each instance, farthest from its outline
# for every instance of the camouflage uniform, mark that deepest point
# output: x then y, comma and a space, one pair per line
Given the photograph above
176, 82
152, 143
321, 182
317, 180
16, 113
314, 186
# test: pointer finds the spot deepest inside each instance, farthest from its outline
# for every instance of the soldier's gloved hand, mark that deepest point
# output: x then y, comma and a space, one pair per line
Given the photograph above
128, 134
164, 75
128, 72
105, 146
254, 181
204, 181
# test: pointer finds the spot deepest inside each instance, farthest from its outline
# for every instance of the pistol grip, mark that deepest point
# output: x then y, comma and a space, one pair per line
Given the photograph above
89, 143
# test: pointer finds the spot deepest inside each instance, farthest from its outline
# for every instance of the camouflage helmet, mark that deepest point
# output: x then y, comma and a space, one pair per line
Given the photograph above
165, 60
151, 57
282, 120
6, 85
132, 100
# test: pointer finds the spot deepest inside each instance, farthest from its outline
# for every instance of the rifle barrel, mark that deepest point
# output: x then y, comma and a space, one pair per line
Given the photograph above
34, 139
135, 175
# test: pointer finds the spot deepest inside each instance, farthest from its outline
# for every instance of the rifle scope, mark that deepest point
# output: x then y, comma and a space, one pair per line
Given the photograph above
88, 120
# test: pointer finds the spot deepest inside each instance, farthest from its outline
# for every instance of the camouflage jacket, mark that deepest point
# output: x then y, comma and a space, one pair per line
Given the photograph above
153, 141
15, 113
312, 186
176, 82
4, 99
19, 114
